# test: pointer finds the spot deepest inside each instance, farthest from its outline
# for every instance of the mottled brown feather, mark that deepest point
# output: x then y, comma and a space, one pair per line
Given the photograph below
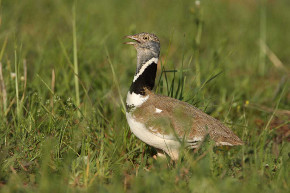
182, 120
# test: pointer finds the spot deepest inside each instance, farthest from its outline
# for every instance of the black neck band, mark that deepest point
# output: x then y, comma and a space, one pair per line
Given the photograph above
145, 80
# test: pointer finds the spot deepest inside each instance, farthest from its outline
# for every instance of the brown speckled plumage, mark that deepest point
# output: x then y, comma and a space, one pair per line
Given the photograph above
182, 119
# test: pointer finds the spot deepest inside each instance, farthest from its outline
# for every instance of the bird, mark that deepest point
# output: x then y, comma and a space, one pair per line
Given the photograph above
162, 122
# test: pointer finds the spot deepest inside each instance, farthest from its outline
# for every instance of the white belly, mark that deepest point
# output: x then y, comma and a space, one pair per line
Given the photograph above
157, 141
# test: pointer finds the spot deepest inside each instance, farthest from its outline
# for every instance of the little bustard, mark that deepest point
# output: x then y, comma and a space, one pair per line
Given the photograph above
161, 121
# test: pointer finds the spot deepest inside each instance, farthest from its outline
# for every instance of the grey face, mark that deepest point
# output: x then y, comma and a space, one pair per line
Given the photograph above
147, 46
145, 42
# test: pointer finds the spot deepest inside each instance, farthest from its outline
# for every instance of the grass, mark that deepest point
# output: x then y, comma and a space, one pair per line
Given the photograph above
65, 74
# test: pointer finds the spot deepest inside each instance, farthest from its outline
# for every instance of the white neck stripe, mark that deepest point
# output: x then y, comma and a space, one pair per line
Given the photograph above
144, 66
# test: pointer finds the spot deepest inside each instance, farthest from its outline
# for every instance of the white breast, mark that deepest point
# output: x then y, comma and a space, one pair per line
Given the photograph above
157, 141
164, 142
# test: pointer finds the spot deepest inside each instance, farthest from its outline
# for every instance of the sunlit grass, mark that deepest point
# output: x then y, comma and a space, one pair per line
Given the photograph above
63, 126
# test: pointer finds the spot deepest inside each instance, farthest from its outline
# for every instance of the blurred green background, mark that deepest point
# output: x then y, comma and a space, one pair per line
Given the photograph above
230, 56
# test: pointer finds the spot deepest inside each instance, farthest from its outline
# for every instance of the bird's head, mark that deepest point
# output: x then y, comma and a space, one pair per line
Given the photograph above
145, 43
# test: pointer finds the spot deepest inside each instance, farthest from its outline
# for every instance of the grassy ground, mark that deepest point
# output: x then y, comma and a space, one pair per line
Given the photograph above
230, 57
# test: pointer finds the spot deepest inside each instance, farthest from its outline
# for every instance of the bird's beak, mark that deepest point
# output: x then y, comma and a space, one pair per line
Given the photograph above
133, 37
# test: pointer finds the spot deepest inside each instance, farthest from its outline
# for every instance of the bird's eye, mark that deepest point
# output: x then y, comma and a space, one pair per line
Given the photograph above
145, 38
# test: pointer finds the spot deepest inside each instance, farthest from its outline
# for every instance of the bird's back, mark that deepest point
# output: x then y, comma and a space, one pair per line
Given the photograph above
173, 118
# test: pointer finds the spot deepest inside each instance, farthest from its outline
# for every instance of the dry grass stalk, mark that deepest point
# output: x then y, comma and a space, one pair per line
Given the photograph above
52, 88
268, 109
273, 57
3, 89
25, 80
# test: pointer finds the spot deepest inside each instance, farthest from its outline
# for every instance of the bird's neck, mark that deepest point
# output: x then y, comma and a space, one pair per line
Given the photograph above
145, 75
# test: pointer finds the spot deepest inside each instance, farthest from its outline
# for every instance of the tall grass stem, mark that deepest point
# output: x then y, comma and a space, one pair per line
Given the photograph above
197, 42
3, 89
16, 84
263, 33
75, 56
115, 81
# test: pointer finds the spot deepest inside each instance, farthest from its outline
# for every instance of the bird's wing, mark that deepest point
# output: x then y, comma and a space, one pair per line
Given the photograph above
174, 119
